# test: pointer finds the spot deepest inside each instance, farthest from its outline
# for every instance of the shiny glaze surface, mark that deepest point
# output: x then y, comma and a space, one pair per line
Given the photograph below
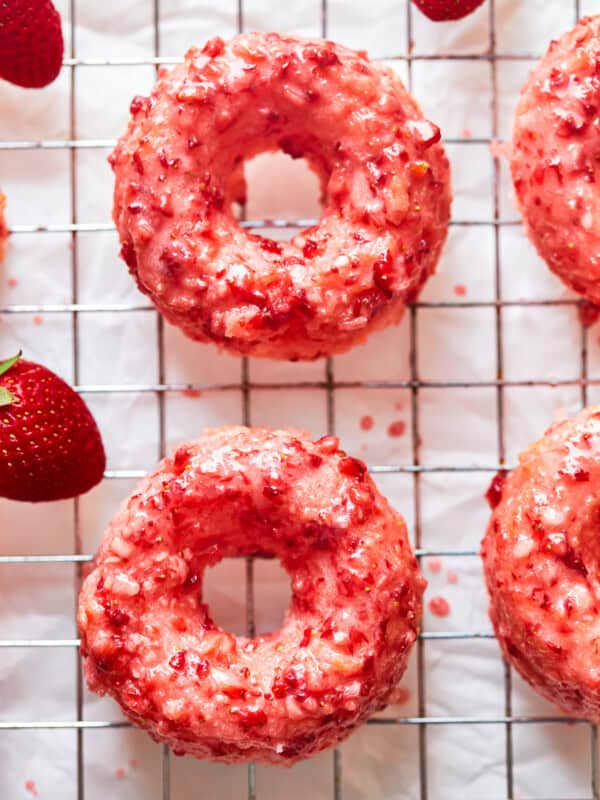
149, 641
556, 157
542, 564
385, 193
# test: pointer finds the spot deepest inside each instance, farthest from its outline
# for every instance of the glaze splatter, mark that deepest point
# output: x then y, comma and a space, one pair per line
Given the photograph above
439, 606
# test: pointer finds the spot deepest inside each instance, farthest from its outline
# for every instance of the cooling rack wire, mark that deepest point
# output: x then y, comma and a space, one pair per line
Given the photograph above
414, 385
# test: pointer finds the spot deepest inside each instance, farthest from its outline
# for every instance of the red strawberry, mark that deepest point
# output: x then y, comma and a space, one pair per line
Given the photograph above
442, 10
50, 446
31, 42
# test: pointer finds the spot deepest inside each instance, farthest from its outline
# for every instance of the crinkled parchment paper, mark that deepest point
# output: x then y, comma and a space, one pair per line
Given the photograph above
458, 425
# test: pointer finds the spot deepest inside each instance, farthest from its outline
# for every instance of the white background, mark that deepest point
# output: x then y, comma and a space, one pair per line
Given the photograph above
458, 425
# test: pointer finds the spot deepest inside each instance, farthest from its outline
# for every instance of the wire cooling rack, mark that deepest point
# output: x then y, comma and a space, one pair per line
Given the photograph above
414, 385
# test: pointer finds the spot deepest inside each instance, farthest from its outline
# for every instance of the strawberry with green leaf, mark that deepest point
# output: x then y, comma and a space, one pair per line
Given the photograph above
50, 446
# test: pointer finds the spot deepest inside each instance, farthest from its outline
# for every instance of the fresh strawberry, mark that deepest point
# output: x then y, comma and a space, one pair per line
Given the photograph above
442, 10
50, 446
31, 42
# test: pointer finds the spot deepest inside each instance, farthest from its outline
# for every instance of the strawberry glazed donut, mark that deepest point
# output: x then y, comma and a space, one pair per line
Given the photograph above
179, 167
541, 555
555, 159
149, 641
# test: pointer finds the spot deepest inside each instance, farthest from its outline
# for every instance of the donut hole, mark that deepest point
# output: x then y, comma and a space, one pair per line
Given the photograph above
281, 187
224, 591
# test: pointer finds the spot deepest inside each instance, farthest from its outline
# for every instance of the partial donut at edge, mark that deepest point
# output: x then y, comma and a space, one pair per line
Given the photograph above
541, 559
556, 157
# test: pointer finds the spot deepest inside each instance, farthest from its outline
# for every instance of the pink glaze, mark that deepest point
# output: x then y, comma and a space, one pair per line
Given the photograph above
399, 696
542, 565
149, 641
179, 167
367, 422
396, 429
3, 228
452, 576
555, 164
439, 606
501, 150
588, 313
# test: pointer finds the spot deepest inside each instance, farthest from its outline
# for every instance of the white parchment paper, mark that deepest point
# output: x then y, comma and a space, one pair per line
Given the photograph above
458, 426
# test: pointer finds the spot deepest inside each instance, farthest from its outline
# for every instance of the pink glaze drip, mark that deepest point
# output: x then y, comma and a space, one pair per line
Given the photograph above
434, 564
452, 576
588, 313
396, 429
367, 422
439, 606
400, 696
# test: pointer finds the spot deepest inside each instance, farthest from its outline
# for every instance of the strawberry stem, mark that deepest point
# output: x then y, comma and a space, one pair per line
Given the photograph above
10, 362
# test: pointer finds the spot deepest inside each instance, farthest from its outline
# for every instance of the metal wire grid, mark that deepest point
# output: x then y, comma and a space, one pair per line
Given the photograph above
415, 384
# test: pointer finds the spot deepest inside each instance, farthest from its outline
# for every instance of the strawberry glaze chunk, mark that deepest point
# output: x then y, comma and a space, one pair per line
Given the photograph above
384, 181
148, 639
494, 491
542, 564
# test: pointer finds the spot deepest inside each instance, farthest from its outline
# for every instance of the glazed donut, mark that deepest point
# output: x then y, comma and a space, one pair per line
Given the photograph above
555, 164
179, 168
148, 639
541, 557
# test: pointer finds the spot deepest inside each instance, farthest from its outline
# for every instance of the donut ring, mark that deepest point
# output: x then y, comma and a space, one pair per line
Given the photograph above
148, 639
542, 564
555, 164
179, 167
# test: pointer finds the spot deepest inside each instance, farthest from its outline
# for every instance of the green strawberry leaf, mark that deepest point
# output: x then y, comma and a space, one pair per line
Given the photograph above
6, 365
6, 398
